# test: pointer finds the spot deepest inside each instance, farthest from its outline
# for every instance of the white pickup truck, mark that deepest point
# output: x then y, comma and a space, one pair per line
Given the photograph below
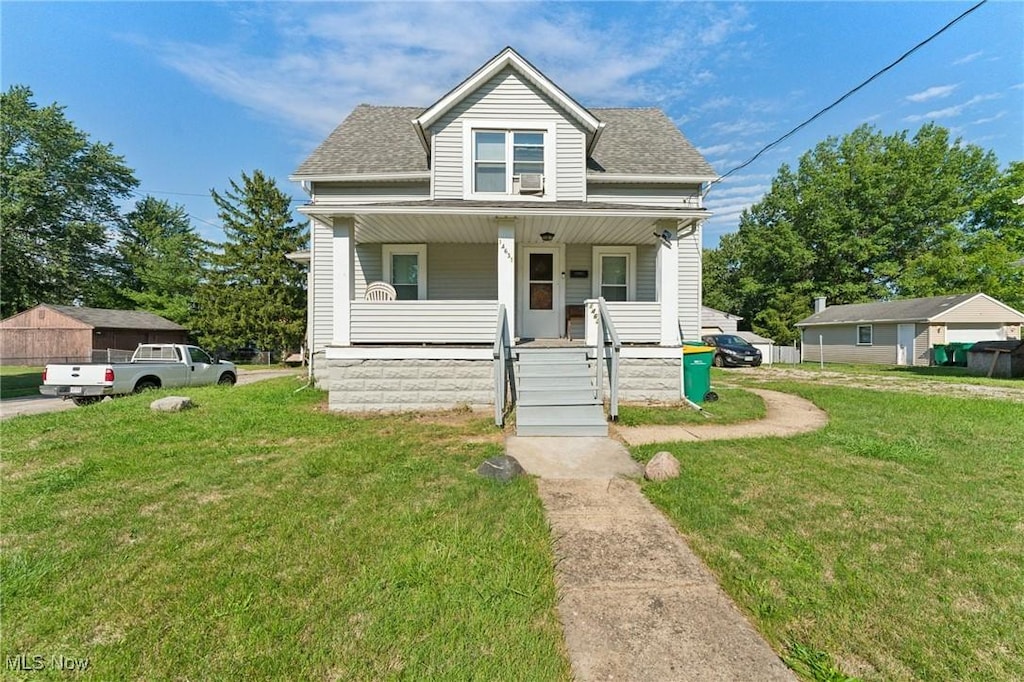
153, 365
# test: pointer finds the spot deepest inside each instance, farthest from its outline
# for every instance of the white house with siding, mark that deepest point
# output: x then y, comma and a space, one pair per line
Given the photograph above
903, 332
507, 217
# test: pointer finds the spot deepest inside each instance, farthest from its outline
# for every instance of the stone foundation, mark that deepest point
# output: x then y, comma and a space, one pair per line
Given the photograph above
646, 380
406, 385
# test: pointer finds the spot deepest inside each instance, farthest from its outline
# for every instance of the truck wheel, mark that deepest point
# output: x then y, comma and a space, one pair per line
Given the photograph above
226, 379
88, 400
146, 385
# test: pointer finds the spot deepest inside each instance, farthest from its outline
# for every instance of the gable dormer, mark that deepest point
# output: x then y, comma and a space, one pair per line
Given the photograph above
508, 133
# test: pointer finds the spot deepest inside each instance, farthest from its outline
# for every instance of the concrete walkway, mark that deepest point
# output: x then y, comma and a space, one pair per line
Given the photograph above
635, 602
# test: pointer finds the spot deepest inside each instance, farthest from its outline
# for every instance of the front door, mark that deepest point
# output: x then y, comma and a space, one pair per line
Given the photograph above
540, 293
905, 344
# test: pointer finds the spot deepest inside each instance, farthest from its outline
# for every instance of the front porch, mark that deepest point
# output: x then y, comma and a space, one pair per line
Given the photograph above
476, 289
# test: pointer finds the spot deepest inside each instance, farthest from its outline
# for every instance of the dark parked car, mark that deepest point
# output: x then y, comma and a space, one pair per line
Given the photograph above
733, 351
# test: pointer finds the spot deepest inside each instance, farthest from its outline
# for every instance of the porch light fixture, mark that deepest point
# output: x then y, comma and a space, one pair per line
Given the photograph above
547, 236
665, 236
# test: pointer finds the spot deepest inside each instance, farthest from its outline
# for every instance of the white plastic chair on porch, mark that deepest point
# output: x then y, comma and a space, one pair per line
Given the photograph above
380, 291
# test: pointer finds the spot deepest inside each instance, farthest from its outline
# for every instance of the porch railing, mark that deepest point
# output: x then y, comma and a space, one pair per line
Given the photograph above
468, 322
607, 346
503, 377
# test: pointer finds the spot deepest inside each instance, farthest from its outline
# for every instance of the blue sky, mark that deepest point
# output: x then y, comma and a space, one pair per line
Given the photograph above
192, 94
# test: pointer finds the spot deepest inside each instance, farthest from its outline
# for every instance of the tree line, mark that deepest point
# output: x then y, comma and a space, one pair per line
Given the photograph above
871, 217
66, 239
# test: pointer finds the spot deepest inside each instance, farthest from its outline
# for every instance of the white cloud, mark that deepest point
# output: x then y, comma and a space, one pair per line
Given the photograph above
967, 59
953, 111
990, 119
318, 64
935, 92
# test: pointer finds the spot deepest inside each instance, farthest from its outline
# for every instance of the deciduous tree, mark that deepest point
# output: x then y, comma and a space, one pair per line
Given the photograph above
864, 217
59, 196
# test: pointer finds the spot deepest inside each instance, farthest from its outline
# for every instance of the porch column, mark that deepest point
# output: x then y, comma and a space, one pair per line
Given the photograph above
668, 284
507, 270
343, 244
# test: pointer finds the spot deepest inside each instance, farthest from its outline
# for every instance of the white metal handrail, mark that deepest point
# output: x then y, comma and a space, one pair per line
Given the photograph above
502, 376
606, 334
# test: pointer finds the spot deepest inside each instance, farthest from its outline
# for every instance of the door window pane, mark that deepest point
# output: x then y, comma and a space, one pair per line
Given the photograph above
542, 266
405, 275
541, 296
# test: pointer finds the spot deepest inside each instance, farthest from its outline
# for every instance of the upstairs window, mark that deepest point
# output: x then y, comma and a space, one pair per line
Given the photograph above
502, 156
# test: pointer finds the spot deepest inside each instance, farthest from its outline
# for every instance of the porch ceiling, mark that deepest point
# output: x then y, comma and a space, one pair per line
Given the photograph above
456, 229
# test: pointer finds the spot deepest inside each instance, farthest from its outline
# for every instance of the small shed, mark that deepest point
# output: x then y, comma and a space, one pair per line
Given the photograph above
717, 322
904, 332
1003, 359
62, 333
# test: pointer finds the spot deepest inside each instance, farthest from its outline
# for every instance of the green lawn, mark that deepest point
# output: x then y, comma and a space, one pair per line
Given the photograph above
888, 546
733, 405
17, 381
259, 537
948, 374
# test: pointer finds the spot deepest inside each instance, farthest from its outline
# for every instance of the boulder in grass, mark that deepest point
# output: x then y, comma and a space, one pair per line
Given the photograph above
502, 469
172, 403
662, 467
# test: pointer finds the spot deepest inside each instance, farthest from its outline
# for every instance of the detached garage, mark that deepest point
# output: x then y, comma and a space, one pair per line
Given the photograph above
62, 333
904, 332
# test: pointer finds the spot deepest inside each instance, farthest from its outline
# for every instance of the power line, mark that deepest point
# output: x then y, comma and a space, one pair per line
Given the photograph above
848, 94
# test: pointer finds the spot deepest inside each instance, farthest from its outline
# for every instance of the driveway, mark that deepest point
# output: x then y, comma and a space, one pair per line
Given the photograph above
38, 404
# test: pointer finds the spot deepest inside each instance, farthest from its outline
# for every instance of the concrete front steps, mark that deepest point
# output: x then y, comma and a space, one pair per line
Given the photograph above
556, 393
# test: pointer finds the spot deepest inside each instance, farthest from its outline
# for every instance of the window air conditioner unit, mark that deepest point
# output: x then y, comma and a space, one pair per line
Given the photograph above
531, 183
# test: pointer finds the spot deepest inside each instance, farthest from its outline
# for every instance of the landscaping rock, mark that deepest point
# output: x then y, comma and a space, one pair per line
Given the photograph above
172, 403
503, 468
662, 467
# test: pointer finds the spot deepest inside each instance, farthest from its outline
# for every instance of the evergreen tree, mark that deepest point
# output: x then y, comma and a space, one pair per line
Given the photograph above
252, 293
160, 260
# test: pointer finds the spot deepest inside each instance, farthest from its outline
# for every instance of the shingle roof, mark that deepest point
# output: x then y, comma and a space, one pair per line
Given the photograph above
644, 142
101, 318
908, 309
371, 140
378, 139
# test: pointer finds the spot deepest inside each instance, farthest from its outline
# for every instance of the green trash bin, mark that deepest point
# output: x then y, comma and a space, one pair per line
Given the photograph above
697, 371
939, 354
958, 353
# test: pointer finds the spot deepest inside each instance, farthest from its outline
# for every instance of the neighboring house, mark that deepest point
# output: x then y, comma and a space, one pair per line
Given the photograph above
504, 204
71, 333
717, 322
904, 332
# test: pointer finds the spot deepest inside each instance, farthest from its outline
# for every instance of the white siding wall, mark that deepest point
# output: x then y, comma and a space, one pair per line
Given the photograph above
424, 321
323, 286
646, 272
336, 194
462, 272
368, 268
507, 97
682, 196
689, 284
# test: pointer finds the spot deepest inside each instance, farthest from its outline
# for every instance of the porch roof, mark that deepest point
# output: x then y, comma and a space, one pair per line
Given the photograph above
507, 208
457, 221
